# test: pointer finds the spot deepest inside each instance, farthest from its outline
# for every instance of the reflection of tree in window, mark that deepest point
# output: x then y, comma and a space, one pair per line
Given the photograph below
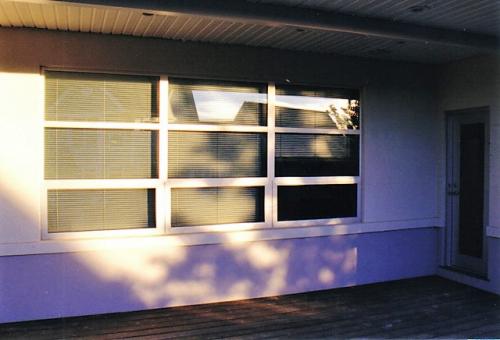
345, 117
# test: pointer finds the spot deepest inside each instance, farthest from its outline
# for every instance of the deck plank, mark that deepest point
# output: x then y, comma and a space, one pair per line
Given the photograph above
414, 308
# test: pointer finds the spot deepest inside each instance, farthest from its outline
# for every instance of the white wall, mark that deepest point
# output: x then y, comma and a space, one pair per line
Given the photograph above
21, 157
399, 190
399, 152
398, 136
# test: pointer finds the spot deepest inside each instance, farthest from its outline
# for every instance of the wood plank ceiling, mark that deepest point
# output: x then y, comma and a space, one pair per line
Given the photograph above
478, 16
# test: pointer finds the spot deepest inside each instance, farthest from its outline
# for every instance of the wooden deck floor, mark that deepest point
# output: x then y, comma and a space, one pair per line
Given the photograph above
416, 308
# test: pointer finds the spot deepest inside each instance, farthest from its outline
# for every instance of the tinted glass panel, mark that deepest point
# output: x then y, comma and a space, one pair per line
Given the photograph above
100, 154
471, 222
215, 102
72, 96
86, 210
216, 154
310, 202
317, 155
301, 107
206, 206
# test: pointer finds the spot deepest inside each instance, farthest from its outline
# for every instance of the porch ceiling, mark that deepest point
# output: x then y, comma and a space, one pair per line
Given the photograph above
427, 31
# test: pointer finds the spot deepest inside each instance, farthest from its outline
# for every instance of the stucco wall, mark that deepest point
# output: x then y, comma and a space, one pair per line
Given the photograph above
53, 285
468, 84
398, 184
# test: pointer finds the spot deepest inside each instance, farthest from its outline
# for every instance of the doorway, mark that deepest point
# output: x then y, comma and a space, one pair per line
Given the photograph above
467, 189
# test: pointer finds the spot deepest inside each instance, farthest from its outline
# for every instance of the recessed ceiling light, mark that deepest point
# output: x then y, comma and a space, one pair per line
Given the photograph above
419, 8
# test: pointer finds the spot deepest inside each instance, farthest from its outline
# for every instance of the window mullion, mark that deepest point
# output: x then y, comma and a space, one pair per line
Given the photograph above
101, 125
322, 131
163, 195
270, 201
216, 128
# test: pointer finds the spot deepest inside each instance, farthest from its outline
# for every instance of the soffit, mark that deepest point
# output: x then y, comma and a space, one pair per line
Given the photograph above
480, 16
133, 22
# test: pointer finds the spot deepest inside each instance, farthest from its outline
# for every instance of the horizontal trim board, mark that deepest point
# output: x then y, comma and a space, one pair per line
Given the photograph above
164, 241
70, 236
334, 221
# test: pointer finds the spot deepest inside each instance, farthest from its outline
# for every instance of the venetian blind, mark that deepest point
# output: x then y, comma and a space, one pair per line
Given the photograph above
87, 210
216, 154
211, 102
100, 154
72, 96
221, 205
317, 155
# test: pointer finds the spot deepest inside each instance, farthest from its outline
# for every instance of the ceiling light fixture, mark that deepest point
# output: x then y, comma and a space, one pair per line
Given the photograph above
419, 8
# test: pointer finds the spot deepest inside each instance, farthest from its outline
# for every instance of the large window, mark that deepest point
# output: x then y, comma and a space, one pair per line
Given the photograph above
156, 155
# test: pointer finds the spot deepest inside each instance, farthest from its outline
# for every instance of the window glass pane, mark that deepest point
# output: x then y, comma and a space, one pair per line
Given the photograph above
207, 206
216, 102
317, 108
100, 154
316, 155
310, 202
71, 96
216, 154
86, 210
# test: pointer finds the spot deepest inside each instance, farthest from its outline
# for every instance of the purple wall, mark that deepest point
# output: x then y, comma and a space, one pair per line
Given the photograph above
47, 286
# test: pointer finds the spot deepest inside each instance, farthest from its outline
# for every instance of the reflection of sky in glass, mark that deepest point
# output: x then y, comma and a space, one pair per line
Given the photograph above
222, 106
319, 104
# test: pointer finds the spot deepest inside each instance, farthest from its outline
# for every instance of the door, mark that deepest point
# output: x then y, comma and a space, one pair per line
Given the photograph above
467, 190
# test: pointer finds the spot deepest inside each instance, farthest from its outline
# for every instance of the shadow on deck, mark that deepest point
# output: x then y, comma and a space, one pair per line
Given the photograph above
422, 307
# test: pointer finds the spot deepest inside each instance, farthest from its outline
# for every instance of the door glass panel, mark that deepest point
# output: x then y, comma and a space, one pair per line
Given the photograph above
471, 189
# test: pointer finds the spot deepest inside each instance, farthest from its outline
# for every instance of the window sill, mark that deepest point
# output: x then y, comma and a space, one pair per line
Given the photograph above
206, 238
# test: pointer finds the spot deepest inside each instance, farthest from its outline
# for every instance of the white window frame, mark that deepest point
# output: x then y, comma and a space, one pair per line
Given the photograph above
154, 183
316, 180
163, 185
173, 183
